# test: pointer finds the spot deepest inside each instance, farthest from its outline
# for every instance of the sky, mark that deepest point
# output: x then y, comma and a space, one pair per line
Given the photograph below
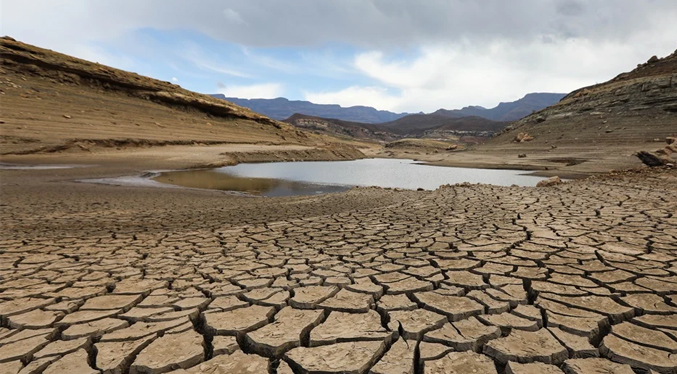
397, 55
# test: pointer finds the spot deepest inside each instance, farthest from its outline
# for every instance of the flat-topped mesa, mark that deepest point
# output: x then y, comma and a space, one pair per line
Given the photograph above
632, 108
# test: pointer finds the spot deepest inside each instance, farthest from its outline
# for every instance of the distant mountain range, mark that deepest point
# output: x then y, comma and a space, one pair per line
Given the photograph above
281, 109
507, 112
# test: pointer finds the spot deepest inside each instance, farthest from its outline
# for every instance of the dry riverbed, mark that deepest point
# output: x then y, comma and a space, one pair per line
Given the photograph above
576, 278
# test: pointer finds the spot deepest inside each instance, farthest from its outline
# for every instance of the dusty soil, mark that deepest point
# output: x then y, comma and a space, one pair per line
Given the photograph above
483, 279
577, 278
566, 161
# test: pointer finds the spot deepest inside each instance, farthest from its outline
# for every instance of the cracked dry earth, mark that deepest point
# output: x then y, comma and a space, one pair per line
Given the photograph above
579, 279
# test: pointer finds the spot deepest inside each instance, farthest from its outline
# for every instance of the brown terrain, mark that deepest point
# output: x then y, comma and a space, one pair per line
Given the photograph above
593, 129
577, 278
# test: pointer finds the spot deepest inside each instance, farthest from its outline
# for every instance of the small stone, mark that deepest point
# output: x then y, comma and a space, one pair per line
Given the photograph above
552, 181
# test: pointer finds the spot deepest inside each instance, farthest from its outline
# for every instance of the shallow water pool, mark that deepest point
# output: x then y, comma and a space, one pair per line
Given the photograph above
316, 177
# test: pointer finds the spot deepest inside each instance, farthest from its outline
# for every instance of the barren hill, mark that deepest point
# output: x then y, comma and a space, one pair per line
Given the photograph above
54, 102
417, 124
411, 126
339, 128
632, 109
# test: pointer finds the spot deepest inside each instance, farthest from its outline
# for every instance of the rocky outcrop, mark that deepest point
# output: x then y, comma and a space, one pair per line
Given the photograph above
661, 157
523, 137
633, 108
552, 181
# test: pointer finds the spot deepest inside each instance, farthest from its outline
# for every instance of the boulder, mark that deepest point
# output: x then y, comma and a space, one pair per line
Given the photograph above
523, 137
552, 181
651, 159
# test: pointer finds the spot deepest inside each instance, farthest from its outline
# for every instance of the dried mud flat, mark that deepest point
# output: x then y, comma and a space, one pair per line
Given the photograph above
577, 278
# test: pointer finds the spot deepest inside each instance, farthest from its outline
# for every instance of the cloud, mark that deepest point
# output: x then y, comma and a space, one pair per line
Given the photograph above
194, 54
175, 79
405, 55
233, 16
356, 95
373, 24
254, 91
457, 75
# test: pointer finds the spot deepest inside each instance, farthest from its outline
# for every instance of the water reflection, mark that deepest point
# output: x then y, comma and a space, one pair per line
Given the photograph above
215, 180
308, 178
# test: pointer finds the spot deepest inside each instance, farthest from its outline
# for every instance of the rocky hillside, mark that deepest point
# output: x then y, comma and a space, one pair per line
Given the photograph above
54, 102
416, 125
411, 126
339, 128
630, 110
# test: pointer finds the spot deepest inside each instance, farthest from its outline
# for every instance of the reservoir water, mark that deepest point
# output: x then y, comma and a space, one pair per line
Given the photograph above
316, 177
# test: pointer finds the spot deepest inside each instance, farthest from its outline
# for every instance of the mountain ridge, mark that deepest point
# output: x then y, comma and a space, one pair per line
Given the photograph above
282, 108
507, 111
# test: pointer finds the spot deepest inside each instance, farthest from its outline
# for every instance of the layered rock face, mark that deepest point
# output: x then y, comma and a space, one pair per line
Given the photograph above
634, 108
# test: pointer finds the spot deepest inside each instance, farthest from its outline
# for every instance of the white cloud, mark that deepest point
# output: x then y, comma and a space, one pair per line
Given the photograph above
460, 74
195, 54
254, 91
175, 79
233, 16
356, 95
470, 53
